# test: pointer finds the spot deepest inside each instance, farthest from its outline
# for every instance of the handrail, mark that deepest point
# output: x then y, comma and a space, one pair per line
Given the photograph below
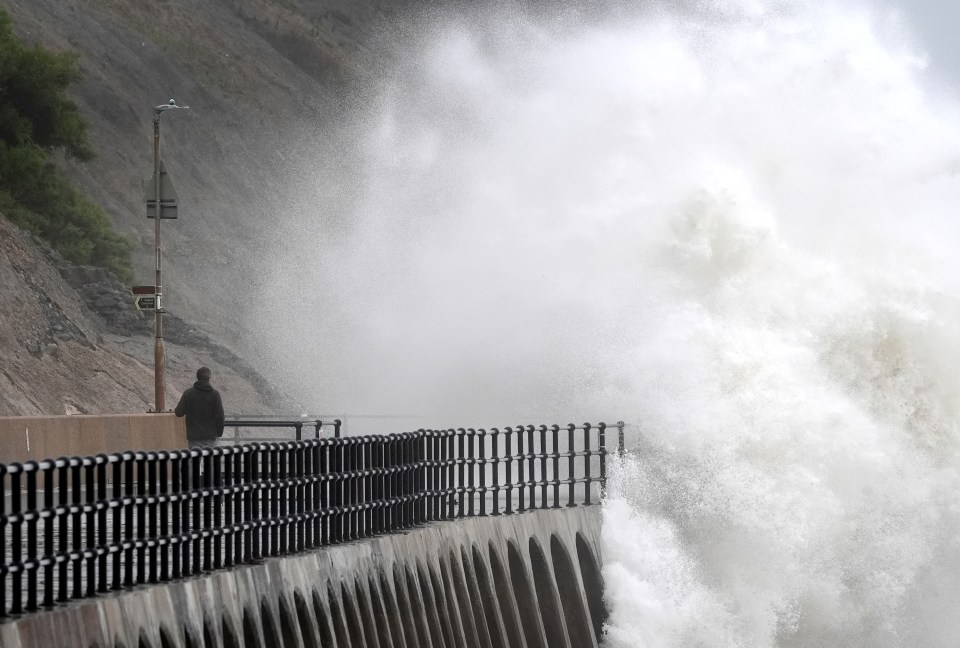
79, 527
296, 424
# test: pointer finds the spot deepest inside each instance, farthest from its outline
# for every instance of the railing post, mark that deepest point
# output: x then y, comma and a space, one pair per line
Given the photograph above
377, 449
118, 526
482, 470
336, 428
410, 480
544, 503
253, 515
508, 457
620, 444
461, 437
532, 466
602, 441
30, 475
323, 469
572, 469
150, 460
495, 460
49, 485
521, 482
164, 507
353, 447
16, 537
555, 429
4, 471
449, 496
587, 456
471, 468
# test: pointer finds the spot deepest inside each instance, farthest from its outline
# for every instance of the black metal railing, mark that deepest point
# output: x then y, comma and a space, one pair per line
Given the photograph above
300, 429
79, 527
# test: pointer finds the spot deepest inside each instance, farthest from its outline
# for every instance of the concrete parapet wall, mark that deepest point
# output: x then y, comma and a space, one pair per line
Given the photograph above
529, 580
25, 438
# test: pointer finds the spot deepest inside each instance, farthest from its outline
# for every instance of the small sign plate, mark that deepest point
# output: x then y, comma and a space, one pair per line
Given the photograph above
146, 302
168, 195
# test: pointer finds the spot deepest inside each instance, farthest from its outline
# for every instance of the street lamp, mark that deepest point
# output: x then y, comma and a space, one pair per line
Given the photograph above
161, 194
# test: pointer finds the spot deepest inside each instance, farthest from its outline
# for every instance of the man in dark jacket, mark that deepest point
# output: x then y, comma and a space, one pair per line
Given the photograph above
203, 408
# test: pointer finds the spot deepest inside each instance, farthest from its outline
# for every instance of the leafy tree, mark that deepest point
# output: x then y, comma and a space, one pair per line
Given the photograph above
37, 119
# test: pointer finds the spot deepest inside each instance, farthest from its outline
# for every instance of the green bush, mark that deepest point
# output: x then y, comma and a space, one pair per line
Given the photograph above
37, 118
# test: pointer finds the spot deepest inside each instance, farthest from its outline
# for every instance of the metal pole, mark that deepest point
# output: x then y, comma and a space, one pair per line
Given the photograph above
159, 368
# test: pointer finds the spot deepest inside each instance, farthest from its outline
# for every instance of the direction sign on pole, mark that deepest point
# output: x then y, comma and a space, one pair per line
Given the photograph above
168, 195
146, 302
143, 290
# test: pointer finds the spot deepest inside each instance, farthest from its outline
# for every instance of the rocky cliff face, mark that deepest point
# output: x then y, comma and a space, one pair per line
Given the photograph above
72, 343
265, 81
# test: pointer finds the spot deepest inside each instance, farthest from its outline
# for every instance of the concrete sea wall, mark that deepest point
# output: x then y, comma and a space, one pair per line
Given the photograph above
529, 580
26, 438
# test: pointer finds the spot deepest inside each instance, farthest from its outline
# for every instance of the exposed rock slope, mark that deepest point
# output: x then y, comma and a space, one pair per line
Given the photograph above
264, 80
57, 356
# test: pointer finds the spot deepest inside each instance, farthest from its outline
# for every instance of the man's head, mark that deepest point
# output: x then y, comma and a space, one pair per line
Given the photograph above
203, 374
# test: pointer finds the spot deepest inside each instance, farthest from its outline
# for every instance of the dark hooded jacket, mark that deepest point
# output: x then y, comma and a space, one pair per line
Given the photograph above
203, 408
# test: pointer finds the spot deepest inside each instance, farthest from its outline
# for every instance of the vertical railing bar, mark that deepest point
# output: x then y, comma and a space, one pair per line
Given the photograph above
544, 482
31, 468
508, 457
152, 492
102, 504
16, 537
50, 550
521, 480
482, 465
587, 458
571, 470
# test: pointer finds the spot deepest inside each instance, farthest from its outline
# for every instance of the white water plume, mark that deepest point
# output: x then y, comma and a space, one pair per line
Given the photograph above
732, 225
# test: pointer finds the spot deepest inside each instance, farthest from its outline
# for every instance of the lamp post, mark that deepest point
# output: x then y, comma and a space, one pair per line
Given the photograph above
159, 359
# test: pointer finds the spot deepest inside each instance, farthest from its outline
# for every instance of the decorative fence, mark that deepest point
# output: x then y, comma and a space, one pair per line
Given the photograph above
78, 527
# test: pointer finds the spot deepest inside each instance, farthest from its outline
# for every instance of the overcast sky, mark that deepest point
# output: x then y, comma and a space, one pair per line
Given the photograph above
936, 24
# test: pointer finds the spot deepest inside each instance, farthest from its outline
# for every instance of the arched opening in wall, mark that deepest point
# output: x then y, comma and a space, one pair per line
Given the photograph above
449, 614
530, 619
165, 640
431, 605
571, 596
323, 621
288, 625
188, 640
379, 613
476, 600
307, 628
208, 638
229, 636
252, 636
339, 622
419, 613
373, 638
354, 624
270, 635
592, 585
490, 612
553, 625
508, 608
464, 604
407, 613
393, 613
